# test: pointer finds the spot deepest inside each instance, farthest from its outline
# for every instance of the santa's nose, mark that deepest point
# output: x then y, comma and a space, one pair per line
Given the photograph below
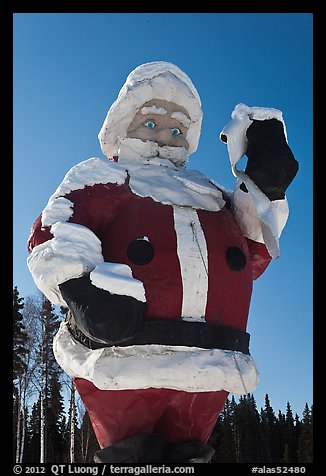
164, 137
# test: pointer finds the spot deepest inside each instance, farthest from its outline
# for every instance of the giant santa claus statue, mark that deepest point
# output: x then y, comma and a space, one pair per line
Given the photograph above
156, 264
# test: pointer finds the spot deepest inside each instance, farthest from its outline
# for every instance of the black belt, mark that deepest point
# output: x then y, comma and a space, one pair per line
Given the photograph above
178, 333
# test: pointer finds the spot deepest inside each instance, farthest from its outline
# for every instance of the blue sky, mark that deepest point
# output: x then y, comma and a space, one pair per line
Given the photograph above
69, 68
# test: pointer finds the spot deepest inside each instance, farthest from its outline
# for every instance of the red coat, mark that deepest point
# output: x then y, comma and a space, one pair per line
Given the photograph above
118, 217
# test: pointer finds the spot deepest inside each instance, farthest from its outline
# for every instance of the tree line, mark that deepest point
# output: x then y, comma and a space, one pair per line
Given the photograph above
244, 435
50, 423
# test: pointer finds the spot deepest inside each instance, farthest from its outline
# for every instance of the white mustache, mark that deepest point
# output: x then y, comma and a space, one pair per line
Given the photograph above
131, 149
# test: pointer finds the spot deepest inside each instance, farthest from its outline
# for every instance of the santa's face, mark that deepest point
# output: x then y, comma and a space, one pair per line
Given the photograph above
162, 122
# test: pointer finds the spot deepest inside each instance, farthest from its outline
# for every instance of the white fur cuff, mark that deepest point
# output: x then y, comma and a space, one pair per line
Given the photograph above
74, 251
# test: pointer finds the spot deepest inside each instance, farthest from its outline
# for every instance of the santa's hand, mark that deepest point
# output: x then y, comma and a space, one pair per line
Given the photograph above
271, 164
108, 304
259, 133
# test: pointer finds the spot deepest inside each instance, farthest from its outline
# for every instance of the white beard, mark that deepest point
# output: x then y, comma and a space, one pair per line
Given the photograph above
151, 175
144, 151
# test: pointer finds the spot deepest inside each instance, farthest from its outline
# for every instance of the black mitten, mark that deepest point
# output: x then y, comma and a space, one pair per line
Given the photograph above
105, 317
271, 164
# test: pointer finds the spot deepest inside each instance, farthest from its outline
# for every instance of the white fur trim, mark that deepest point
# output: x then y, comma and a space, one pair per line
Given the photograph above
156, 80
88, 172
189, 369
117, 279
74, 251
57, 209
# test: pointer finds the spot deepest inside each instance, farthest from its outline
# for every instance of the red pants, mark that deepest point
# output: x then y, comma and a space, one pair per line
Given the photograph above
176, 415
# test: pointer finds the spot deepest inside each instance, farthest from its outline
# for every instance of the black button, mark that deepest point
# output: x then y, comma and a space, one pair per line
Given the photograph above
235, 258
140, 251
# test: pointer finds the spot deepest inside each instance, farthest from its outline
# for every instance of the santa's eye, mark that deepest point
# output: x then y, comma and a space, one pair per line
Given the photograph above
150, 124
175, 131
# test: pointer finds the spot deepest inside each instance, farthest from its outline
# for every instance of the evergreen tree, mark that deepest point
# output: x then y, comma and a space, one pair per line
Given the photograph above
21, 360
305, 444
51, 408
289, 450
19, 367
223, 437
34, 435
269, 429
62, 448
280, 431
19, 336
297, 431
252, 446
